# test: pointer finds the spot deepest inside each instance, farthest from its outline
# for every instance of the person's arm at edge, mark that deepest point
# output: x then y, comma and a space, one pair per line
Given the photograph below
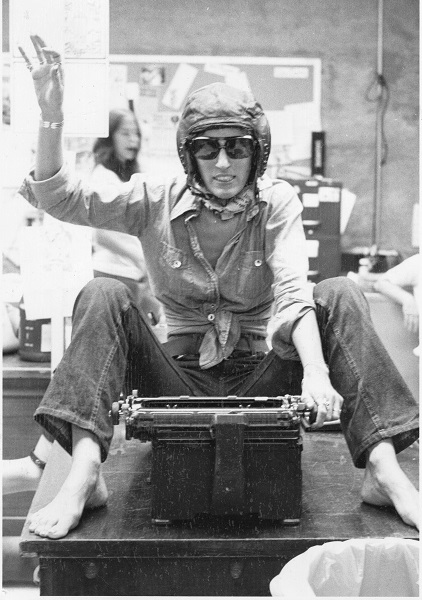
392, 290
405, 299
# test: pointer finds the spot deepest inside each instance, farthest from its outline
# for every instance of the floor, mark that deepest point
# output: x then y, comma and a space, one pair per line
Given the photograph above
20, 592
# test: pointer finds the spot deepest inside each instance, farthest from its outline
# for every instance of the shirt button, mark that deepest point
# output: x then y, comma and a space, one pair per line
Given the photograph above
211, 317
258, 263
176, 264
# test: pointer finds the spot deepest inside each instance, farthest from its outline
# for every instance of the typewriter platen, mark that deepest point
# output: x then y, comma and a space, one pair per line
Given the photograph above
220, 455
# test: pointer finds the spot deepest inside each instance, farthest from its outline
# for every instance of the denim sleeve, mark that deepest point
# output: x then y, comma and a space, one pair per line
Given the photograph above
120, 207
288, 260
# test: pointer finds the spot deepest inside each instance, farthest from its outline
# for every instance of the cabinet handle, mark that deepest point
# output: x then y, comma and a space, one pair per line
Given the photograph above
311, 223
236, 569
90, 570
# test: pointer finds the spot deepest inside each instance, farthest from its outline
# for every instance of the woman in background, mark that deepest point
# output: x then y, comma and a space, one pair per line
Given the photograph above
119, 255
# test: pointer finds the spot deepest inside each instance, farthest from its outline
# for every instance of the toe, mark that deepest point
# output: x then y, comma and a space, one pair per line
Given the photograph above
58, 532
62, 527
41, 523
33, 524
41, 532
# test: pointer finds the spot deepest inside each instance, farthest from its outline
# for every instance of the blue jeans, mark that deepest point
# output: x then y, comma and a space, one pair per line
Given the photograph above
113, 348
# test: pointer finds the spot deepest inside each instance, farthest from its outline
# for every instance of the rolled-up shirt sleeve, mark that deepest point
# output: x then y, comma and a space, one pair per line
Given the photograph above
120, 207
287, 257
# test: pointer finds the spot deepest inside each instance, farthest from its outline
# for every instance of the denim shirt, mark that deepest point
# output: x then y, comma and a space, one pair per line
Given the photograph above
261, 273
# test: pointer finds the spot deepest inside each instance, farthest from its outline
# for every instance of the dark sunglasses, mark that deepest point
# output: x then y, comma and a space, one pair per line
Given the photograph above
207, 148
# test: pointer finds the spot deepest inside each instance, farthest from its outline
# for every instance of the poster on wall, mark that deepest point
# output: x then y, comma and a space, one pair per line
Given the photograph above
79, 30
156, 87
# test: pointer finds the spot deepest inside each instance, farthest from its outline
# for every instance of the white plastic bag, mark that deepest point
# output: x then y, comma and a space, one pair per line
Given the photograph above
358, 567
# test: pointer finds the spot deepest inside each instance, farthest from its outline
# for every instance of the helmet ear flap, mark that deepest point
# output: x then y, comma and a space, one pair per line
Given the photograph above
254, 164
190, 165
263, 133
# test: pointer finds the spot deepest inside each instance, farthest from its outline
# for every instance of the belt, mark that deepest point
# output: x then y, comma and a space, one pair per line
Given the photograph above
190, 343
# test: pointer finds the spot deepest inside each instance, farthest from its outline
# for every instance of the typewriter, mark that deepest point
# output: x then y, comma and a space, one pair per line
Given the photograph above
231, 455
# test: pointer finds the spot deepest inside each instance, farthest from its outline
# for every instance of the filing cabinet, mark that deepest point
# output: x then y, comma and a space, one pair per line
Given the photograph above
321, 199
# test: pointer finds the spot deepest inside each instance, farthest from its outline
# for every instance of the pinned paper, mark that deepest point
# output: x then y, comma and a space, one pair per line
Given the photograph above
222, 70
305, 118
348, 201
179, 87
239, 80
117, 85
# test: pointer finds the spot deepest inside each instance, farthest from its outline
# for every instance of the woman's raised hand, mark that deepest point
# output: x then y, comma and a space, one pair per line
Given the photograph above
48, 79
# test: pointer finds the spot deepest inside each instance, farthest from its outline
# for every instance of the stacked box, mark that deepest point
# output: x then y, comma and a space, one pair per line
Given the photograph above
321, 199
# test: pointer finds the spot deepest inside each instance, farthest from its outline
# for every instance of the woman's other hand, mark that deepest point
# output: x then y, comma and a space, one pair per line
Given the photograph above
318, 392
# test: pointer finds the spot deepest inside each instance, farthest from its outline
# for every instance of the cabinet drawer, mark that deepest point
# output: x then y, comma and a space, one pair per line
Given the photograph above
324, 255
137, 576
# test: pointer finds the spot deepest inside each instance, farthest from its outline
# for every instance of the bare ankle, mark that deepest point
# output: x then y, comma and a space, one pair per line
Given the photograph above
381, 451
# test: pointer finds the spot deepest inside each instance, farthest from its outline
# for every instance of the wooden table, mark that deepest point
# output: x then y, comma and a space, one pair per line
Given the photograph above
116, 550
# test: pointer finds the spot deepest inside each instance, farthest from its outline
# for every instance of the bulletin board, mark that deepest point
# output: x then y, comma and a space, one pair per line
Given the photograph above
156, 87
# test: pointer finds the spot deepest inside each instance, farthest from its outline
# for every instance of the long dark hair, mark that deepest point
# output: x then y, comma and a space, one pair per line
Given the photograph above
103, 149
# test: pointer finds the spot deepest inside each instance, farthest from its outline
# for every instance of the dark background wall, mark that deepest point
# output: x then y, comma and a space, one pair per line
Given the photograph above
343, 34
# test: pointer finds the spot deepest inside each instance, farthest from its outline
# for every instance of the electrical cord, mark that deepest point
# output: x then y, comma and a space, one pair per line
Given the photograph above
382, 98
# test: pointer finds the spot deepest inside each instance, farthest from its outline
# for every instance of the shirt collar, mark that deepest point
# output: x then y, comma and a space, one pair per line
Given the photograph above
187, 203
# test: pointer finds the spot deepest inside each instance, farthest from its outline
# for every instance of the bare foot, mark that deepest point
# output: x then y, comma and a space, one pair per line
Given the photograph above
63, 513
83, 487
20, 475
386, 484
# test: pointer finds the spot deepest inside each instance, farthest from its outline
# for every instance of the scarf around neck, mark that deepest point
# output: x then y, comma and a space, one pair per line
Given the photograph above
234, 206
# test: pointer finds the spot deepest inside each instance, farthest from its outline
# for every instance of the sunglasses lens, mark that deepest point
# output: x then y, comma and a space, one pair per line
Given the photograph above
205, 148
239, 147
236, 147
